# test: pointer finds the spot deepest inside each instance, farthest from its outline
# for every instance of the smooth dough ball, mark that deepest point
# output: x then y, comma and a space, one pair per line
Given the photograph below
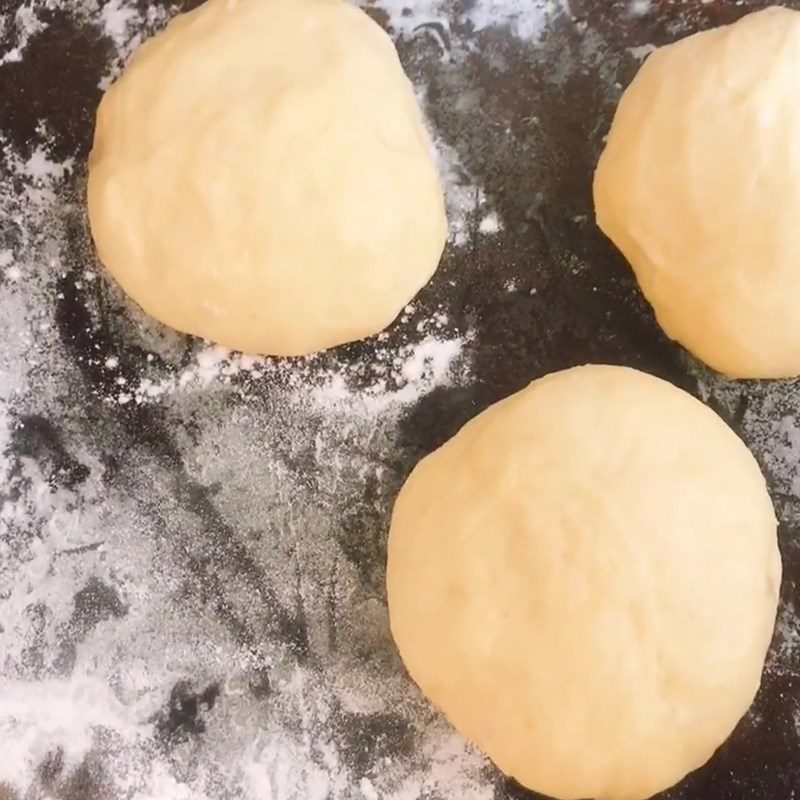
585, 580
261, 177
699, 187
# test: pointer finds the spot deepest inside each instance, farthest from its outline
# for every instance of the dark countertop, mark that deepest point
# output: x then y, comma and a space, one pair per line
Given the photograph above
192, 545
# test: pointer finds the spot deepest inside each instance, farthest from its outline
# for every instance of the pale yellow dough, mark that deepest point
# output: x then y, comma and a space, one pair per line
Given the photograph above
585, 580
699, 187
261, 177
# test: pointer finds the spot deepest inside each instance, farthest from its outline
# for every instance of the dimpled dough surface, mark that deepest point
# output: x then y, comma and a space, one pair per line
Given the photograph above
585, 580
699, 187
261, 177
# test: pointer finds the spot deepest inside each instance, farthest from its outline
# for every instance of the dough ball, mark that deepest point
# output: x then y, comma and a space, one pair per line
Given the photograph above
585, 580
699, 187
261, 177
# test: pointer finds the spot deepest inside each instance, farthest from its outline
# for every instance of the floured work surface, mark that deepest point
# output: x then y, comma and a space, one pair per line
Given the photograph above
192, 542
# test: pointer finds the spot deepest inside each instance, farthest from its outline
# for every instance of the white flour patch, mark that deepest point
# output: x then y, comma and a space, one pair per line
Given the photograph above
463, 197
127, 25
118, 19
638, 8
490, 224
39, 718
642, 51
414, 371
417, 368
24, 23
40, 168
527, 20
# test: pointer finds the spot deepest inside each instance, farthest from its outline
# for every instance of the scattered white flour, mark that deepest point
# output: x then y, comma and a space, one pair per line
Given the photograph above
38, 718
464, 199
642, 51
74, 688
119, 21
24, 25
490, 223
40, 168
767, 416
101, 614
128, 26
638, 8
527, 19
238, 543
414, 371
785, 655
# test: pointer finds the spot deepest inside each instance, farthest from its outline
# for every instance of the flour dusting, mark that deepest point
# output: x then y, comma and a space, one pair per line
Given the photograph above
23, 25
192, 540
526, 20
221, 581
99, 615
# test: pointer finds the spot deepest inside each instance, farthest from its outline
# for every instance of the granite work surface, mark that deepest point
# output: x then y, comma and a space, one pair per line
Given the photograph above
192, 542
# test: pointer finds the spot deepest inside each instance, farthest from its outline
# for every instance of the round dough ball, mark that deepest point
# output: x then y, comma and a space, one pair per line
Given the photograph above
261, 177
585, 580
699, 187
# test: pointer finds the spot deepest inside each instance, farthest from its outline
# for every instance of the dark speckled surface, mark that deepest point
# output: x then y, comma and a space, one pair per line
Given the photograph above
529, 137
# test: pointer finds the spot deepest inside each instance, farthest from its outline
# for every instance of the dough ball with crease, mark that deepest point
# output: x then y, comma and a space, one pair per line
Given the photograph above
584, 579
699, 187
261, 177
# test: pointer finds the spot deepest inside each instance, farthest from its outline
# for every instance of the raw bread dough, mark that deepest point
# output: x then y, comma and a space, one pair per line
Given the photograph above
699, 187
585, 580
261, 177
